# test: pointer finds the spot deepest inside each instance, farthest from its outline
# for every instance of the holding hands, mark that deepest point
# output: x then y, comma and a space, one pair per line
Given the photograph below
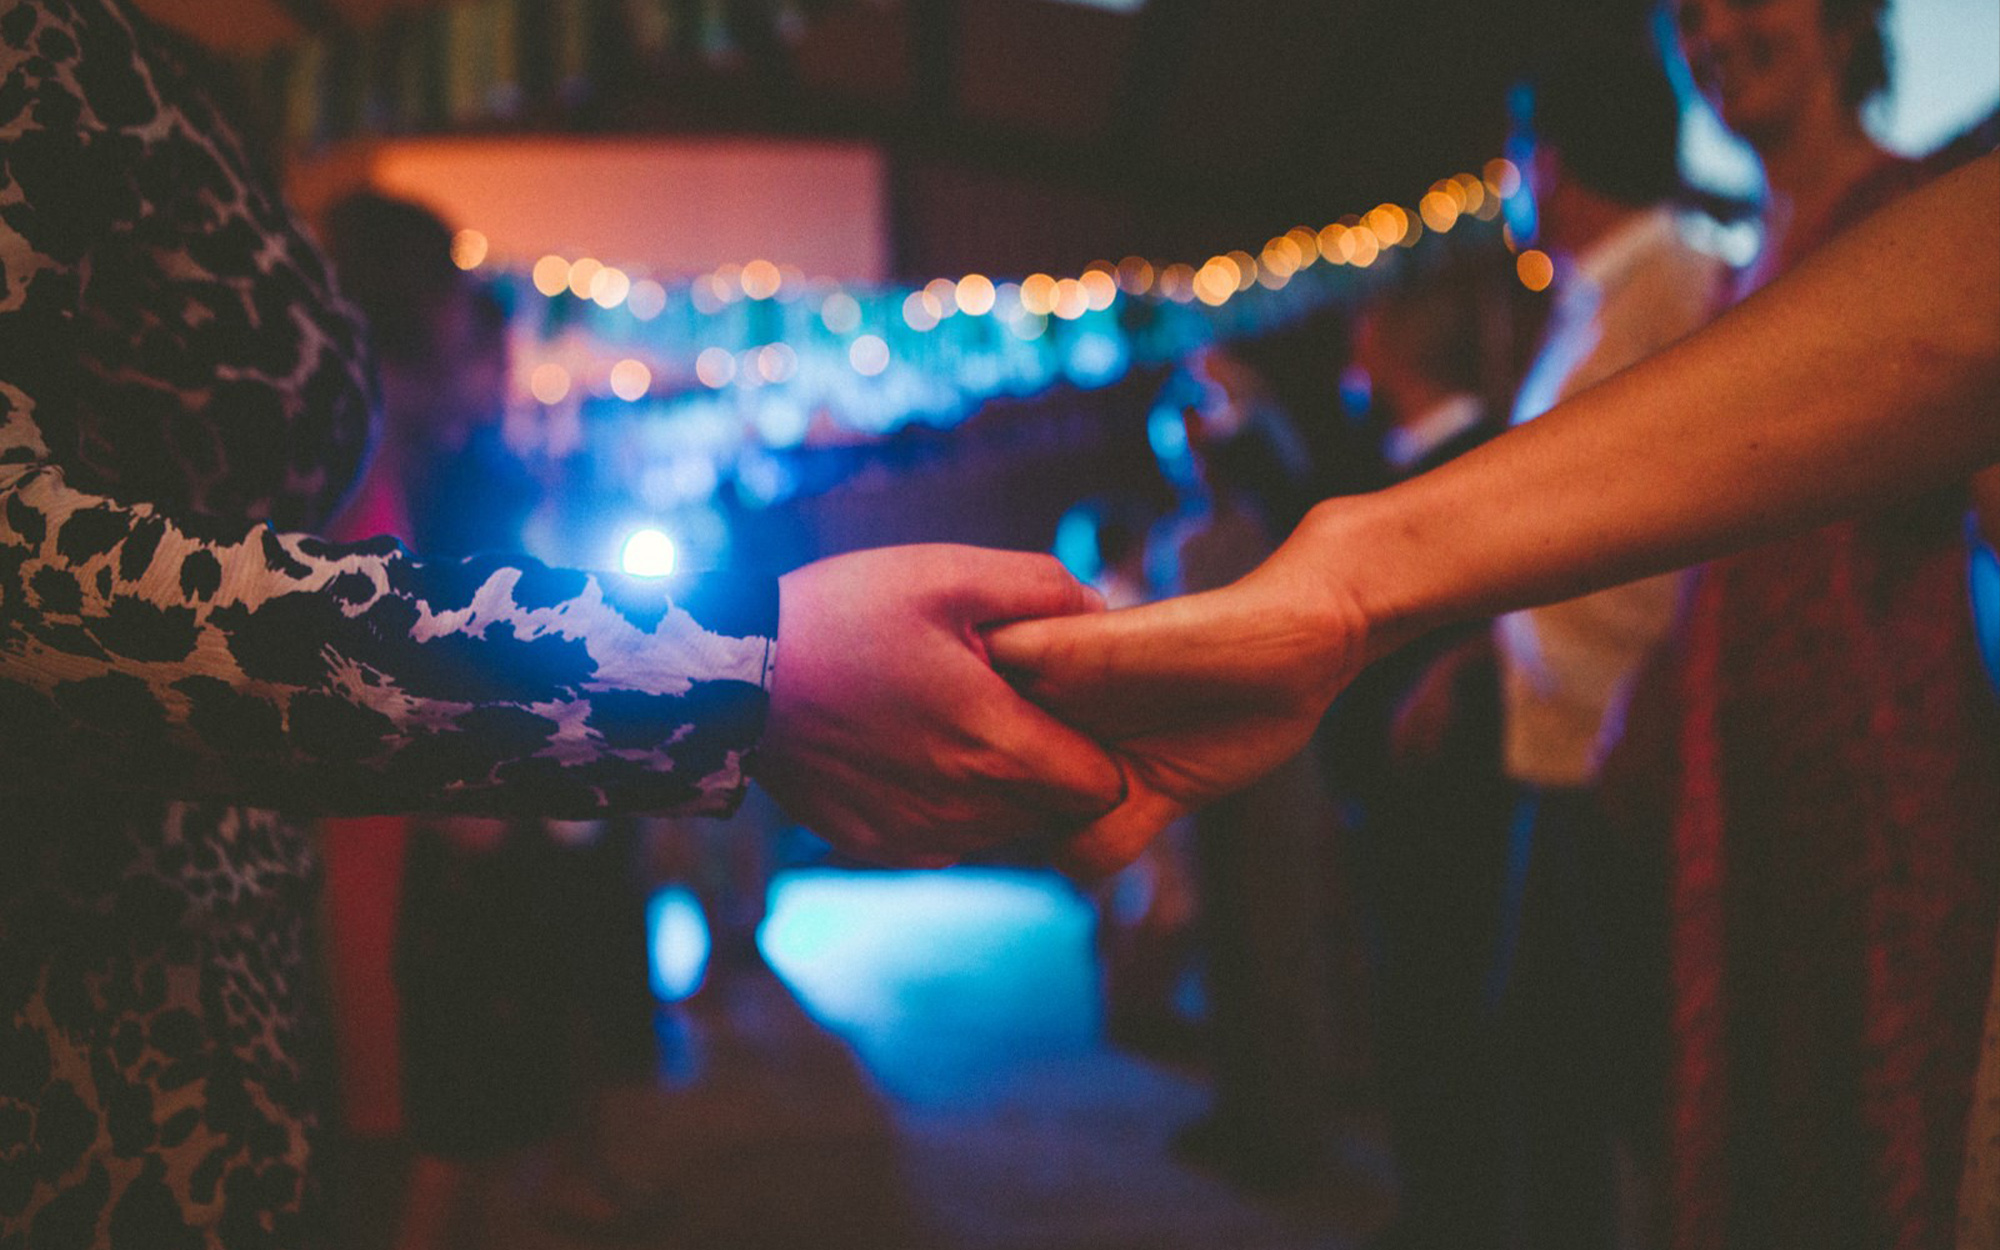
1195, 697
891, 735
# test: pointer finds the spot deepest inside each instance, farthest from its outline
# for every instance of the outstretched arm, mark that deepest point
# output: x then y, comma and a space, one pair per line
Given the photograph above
1871, 372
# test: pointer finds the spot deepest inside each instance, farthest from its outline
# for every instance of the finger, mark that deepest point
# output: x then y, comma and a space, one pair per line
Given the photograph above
1062, 769
1116, 839
1013, 585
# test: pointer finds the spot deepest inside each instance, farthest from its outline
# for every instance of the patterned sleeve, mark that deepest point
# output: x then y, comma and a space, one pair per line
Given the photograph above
147, 646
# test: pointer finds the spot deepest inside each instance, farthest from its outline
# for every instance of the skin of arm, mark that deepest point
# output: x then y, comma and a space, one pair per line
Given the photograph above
1870, 373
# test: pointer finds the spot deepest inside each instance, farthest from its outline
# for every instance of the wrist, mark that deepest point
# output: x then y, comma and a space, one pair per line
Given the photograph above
1373, 570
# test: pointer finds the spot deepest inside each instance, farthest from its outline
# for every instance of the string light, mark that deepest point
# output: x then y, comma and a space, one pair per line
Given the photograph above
869, 355
582, 274
549, 383
551, 275
468, 249
647, 300
1029, 309
631, 379
609, 287
760, 279
1535, 269
974, 294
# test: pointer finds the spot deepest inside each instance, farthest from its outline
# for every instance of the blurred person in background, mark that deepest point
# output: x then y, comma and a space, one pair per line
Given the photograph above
1828, 751
1572, 990
1417, 823
510, 933
1765, 421
1261, 856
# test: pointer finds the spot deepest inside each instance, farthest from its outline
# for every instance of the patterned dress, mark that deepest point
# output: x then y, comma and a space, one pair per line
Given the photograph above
181, 387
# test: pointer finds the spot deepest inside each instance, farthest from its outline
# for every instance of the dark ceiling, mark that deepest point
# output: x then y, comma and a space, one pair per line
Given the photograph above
1037, 132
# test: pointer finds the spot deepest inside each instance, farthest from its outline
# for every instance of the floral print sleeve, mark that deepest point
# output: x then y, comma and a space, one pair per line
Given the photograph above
180, 386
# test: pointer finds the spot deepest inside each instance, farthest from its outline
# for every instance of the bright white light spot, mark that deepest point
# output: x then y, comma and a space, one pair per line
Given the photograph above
679, 942
648, 553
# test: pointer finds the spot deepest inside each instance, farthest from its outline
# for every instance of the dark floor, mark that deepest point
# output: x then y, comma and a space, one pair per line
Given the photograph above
921, 1068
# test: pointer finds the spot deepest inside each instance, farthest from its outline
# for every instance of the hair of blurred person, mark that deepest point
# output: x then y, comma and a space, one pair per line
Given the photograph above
1627, 154
394, 262
1419, 345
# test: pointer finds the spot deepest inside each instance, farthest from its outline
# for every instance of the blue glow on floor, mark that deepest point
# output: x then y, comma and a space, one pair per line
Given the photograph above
923, 971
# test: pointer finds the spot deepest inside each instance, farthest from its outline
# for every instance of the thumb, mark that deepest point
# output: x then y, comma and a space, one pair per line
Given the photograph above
1115, 839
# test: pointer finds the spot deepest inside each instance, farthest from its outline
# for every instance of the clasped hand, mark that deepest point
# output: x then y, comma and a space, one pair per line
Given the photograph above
893, 735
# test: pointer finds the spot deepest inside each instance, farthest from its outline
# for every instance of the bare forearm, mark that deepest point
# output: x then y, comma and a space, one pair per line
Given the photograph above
1871, 373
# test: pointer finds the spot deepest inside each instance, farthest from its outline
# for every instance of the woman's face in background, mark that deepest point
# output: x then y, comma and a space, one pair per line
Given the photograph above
1762, 63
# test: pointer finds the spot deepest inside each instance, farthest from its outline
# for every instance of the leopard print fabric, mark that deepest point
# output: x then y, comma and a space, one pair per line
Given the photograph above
180, 386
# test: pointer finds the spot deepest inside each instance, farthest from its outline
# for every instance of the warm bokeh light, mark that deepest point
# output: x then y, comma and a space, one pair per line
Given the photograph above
582, 274
1535, 269
1439, 211
1070, 300
1100, 289
1038, 293
549, 383
1281, 255
920, 311
551, 275
974, 294
760, 279
1335, 245
715, 367
610, 287
729, 283
468, 249
1389, 224
1474, 189
647, 300
1307, 241
1246, 269
1177, 282
1216, 281
1135, 275
777, 362
1503, 177
1366, 247
943, 296
840, 313
631, 379
869, 355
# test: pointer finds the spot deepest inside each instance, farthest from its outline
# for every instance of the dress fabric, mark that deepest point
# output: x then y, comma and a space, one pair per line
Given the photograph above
1835, 878
180, 386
